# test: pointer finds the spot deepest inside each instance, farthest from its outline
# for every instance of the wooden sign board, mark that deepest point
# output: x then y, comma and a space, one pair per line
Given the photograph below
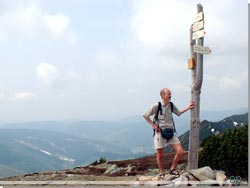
202, 49
198, 25
198, 34
198, 17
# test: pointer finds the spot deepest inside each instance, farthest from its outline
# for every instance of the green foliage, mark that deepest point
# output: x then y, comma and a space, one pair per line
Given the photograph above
102, 160
228, 152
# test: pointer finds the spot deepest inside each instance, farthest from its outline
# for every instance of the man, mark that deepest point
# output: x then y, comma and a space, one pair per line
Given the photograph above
165, 119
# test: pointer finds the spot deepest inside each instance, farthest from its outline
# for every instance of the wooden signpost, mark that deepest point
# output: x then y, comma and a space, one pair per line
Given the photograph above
195, 63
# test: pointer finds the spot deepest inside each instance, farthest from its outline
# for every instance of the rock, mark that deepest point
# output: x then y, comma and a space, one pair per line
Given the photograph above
220, 177
110, 169
203, 173
190, 177
201, 176
153, 171
147, 178
116, 170
181, 167
220, 171
169, 177
143, 179
181, 181
153, 181
194, 176
129, 168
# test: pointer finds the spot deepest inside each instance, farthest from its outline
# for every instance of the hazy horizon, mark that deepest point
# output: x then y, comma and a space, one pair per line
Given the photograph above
213, 115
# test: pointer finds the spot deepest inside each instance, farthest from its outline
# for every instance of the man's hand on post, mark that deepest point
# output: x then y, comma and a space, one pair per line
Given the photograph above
191, 105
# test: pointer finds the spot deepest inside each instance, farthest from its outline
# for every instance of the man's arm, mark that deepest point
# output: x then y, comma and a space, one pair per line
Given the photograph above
149, 112
191, 105
156, 127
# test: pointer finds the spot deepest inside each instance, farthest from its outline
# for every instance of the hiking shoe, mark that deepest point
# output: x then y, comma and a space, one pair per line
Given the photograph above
174, 172
161, 176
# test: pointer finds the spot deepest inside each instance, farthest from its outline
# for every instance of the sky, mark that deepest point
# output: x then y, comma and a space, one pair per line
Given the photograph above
105, 60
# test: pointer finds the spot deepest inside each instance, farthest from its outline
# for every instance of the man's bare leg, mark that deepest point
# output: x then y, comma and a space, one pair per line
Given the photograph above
178, 154
159, 157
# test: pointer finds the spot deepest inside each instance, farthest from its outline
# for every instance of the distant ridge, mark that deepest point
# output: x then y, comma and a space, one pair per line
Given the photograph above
208, 128
32, 150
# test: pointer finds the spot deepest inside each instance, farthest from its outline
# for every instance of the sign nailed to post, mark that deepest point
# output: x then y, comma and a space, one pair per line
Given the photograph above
198, 17
198, 25
202, 49
199, 34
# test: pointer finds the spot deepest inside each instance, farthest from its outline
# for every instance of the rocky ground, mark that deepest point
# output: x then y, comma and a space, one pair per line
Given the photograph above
112, 170
141, 171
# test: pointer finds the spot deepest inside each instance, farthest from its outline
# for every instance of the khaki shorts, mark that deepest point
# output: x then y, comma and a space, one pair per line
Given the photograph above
160, 142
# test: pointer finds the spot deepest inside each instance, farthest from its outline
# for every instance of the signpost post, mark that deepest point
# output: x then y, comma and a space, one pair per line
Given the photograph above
197, 50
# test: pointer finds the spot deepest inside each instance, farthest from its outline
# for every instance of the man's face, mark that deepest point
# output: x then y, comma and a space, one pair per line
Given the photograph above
166, 96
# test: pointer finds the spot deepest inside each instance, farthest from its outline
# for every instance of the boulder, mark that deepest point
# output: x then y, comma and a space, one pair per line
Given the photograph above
220, 177
201, 176
203, 173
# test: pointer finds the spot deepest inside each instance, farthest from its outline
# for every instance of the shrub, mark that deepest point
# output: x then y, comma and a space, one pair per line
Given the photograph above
228, 152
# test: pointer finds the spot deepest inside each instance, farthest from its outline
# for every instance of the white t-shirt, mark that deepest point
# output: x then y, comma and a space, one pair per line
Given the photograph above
166, 119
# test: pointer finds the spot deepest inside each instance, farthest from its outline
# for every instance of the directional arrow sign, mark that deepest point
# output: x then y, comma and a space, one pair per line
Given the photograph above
198, 25
199, 34
202, 49
198, 17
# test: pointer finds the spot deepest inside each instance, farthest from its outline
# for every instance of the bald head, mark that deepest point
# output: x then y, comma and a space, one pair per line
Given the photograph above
164, 91
165, 95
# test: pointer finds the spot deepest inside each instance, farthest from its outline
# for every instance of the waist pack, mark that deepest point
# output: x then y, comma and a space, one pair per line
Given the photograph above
167, 133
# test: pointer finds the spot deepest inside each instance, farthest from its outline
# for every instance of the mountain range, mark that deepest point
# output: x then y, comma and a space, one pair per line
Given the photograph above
42, 146
208, 128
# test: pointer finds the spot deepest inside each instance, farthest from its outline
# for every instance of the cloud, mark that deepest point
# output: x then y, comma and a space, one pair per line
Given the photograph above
107, 60
74, 75
229, 83
56, 24
131, 91
105, 57
180, 87
91, 76
31, 22
24, 96
2, 95
18, 96
158, 23
47, 73
161, 24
